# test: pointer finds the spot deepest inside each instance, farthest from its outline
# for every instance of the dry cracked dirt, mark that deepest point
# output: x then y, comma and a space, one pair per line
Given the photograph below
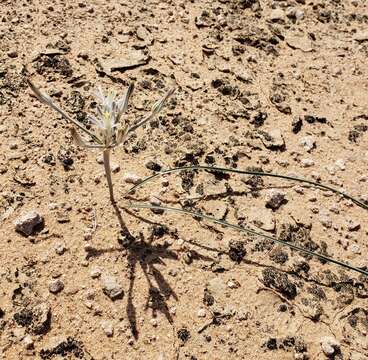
274, 86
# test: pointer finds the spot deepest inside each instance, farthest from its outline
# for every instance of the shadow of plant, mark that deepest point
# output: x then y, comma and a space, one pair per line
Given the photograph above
147, 255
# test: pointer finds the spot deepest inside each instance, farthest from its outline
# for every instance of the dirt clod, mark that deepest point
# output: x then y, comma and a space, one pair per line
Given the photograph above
280, 282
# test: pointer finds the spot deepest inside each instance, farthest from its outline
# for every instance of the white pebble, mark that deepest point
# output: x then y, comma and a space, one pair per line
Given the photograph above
201, 313
132, 178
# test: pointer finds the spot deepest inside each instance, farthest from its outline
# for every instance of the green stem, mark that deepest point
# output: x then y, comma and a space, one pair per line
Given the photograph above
106, 161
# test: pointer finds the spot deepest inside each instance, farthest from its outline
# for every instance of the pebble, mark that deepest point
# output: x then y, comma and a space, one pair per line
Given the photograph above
294, 13
201, 313
55, 286
331, 169
330, 345
233, 284
275, 198
325, 220
154, 322
12, 54
132, 178
353, 225
272, 139
243, 75
95, 272
308, 143
28, 222
28, 342
299, 14
277, 14
87, 236
340, 163
361, 36
111, 287
115, 168
354, 248
296, 124
60, 248
172, 310
154, 200
107, 327
152, 165
306, 163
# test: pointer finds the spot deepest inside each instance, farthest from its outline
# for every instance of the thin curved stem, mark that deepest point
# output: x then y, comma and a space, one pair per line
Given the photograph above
245, 172
106, 161
252, 232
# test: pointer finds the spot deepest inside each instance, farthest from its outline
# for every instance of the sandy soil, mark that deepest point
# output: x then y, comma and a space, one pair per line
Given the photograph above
274, 85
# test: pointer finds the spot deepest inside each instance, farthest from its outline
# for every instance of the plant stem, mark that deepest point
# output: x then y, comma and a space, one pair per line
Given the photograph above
106, 161
253, 232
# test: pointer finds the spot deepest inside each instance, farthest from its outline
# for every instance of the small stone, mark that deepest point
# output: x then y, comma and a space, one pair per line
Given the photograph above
154, 322
325, 220
294, 13
237, 250
272, 139
173, 272
41, 318
308, 143
243, 75
115, 168
354, 248
28, 223
87, 236
353, 225
55, 286
172, 310
152, 165
111, 287
99, 159
89, 248
299, 14
296, 124
277, 14
95, 272
132, 178
233, 284
154, 200
306, 163
107, 327
330, 345
361, 36
12, 54
28, 342
275, 198
201, 313
340, 163
331, 169
60, 248
53, 206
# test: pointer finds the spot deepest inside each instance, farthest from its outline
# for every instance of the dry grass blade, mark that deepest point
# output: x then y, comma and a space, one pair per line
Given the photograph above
252, 232
245, 172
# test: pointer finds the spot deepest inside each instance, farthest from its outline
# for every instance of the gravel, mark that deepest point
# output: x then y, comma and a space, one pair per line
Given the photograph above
111, 287
275, 198
330, 346
55, 286
28, 223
